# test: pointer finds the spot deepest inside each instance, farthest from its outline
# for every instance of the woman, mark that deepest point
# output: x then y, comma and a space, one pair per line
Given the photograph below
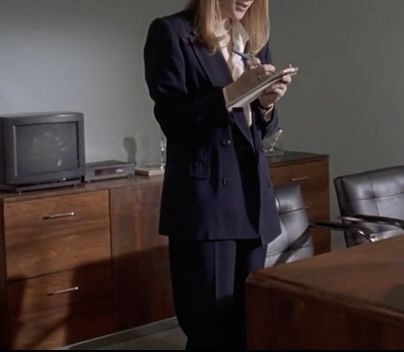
217, 206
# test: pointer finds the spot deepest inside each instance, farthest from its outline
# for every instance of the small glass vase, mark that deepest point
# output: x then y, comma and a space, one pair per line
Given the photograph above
163, 151
273, 144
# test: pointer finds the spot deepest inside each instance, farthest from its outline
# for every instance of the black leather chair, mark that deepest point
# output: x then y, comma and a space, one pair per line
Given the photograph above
295, 241
374, 199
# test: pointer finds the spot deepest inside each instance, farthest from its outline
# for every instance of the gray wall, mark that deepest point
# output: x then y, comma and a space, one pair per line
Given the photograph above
86, 55
83, 55
347, 99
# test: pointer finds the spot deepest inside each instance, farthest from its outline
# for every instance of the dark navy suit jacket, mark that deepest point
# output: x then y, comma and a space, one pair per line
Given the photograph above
216, 183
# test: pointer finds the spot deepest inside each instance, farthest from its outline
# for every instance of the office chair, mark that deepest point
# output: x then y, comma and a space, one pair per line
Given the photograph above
374, 199
295, 242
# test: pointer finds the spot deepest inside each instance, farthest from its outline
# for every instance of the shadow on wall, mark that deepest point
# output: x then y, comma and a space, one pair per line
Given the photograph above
130, 146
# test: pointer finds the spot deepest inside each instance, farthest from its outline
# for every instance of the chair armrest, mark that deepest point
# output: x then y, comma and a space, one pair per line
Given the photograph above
375, 218
360, 230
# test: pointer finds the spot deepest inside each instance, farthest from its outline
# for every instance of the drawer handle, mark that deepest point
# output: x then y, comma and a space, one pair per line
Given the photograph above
66, 290
297, 179
58, 216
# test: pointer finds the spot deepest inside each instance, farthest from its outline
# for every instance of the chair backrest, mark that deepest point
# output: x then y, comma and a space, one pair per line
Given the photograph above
294, 242
375, 192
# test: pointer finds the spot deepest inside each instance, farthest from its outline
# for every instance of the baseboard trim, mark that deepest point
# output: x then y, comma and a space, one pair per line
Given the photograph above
124, 335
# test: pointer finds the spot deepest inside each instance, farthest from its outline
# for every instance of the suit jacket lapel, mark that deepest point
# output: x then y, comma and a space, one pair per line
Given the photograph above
218, 73
214, 65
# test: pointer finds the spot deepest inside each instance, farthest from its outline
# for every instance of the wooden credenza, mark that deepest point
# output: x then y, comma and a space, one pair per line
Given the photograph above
311, 172
81, 262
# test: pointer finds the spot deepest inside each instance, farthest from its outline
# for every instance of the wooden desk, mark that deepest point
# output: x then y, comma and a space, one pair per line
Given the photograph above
348, 299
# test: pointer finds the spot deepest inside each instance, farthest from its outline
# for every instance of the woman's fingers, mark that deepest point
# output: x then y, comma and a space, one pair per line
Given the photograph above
276, 91
263, 71
253, 62
279, 90
266, 70
250, 78
286, 79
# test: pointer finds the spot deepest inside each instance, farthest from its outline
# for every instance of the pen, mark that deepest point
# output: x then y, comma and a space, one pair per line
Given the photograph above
244, 56
248, 56
249, 59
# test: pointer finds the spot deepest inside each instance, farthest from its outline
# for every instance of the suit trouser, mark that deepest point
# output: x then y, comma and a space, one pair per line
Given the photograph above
208, 279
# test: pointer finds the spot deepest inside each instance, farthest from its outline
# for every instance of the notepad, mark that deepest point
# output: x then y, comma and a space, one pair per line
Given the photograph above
149, 170
255, 92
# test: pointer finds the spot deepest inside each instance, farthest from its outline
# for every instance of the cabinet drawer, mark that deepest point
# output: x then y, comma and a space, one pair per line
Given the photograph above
56, 233
62, 308
313, 180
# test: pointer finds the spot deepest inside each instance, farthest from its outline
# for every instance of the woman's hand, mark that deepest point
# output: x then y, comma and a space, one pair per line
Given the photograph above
276, 91
248, 80
273, 93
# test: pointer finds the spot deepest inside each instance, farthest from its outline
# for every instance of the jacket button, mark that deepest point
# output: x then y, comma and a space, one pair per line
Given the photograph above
226, 181
225, 142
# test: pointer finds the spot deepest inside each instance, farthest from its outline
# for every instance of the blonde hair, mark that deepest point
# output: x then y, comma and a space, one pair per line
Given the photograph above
255, 21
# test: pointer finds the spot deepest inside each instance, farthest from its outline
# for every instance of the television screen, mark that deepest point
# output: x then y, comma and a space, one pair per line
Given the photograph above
41, 150
46, 147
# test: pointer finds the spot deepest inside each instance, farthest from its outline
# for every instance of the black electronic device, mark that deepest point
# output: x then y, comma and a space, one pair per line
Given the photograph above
108, 169
41, 150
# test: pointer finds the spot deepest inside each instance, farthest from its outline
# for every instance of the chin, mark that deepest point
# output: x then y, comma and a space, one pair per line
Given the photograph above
239, 15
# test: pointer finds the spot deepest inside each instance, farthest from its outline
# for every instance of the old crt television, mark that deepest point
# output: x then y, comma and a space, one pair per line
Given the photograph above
41, 150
